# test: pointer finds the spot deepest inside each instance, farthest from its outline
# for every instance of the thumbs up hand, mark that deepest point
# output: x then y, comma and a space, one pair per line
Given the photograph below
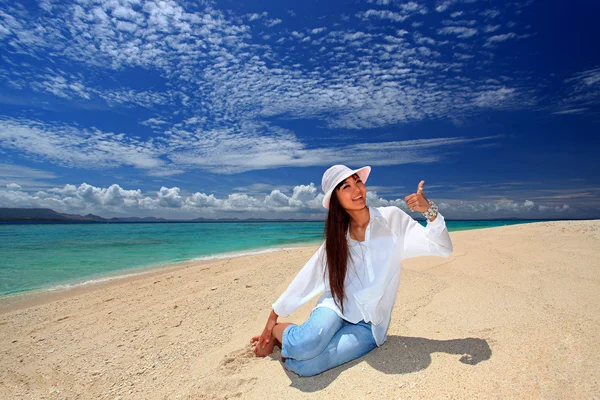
417, 201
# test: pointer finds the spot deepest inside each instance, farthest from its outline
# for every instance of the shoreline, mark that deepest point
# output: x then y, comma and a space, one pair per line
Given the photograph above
60, 290
34, 297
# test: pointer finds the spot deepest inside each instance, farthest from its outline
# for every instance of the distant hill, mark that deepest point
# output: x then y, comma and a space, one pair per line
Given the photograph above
250, 220
136, 219
43, 214
49, 215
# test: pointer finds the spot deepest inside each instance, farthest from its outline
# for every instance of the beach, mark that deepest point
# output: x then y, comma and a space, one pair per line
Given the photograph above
514, 312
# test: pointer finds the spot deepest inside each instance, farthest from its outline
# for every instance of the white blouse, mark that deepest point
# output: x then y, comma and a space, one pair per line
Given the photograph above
373, 273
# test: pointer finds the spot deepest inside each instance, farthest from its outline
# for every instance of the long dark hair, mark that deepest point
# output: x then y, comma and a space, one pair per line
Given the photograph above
336, 247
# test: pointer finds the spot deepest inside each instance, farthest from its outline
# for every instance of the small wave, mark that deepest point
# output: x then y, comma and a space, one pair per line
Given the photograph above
92, 281
242, 254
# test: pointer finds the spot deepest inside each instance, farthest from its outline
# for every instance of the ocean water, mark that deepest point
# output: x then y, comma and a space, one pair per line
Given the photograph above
51, 256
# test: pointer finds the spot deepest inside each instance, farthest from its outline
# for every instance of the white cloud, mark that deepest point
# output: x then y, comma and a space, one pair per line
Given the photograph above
494, 98
443, 6
113, 196
446, 4
491, 28
277, 199
382, 14
491, 13
169, 197
460, 31
273, 22
255, 16
126, 26
154, 122
413, 7
420, 39
501, 38
201, 200
304, 202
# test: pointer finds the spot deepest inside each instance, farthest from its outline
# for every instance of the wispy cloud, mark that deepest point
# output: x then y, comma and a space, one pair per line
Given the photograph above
80, 148
285, 151
26, 178
571, 111
582, 93
236, 79
252, 147
501, 38
230, 80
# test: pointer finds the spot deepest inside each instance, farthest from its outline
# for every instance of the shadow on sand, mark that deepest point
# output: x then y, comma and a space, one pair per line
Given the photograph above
401, 355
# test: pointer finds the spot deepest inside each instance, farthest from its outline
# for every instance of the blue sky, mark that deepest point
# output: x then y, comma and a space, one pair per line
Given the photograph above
228, 108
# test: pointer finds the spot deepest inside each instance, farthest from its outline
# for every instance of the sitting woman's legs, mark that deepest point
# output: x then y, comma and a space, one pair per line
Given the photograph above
302, 342
349, 342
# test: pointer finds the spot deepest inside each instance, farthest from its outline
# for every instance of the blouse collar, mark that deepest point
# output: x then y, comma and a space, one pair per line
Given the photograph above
374, 215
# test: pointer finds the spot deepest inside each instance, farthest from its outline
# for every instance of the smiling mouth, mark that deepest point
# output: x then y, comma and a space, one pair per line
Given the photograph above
357, 198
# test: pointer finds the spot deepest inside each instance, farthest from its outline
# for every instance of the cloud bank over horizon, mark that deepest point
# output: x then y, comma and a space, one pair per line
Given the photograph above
304, 202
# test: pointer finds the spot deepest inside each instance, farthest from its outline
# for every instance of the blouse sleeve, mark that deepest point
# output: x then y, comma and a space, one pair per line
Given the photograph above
307, 284
430, 240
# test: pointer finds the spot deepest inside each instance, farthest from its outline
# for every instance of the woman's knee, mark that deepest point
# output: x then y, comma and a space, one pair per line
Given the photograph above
304, 344
306, 341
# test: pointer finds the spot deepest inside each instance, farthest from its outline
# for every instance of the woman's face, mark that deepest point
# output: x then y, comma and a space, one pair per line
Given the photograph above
352, 194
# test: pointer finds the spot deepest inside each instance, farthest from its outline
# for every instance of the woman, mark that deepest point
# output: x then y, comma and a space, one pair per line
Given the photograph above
357, 269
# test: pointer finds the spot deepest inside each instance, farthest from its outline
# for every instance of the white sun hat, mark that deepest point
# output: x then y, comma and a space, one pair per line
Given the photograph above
336, 174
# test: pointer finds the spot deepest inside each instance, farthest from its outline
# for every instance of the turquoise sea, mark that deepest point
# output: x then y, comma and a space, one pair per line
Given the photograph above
50, 256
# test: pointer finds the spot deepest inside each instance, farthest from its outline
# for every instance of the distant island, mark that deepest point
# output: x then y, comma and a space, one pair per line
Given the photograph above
49, 215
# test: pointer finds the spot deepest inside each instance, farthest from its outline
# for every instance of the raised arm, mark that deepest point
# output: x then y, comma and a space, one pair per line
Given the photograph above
432, 240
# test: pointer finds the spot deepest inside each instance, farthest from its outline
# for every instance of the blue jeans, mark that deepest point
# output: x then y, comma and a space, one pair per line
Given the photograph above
324, 341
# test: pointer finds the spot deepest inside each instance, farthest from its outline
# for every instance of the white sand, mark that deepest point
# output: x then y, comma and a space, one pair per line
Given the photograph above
514, 312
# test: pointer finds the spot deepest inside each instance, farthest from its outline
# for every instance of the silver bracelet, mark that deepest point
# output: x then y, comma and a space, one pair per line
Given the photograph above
432, 212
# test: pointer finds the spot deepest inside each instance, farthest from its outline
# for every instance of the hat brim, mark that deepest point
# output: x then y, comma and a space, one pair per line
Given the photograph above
363, 173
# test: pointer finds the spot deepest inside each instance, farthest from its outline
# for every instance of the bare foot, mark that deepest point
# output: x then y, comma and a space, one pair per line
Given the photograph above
263, 351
